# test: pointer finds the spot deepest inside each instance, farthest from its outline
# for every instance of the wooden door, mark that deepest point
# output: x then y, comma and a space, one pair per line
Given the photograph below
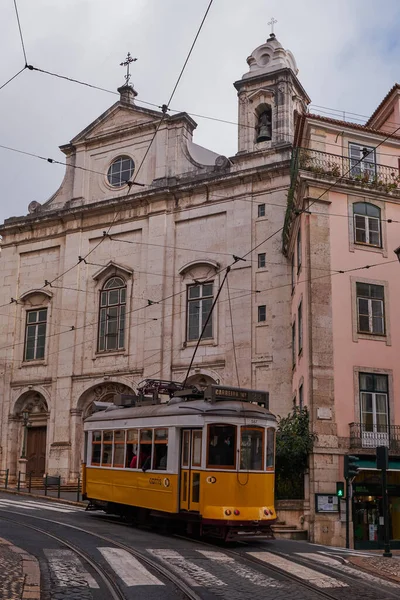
36, 451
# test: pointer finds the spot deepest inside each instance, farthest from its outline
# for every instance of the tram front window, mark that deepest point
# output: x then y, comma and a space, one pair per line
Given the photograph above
251, 449
221, 446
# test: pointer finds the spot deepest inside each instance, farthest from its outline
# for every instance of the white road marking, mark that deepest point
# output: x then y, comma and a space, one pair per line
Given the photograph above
128, 568
193, 574
54, 506
245, 572
12, 503
68, 569
337, 564
33, 505
314, 577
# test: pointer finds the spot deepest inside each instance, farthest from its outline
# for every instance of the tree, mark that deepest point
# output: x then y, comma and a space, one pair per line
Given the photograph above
294, 442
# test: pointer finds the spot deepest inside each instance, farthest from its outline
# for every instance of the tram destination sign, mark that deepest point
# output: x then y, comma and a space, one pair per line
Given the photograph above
217, 393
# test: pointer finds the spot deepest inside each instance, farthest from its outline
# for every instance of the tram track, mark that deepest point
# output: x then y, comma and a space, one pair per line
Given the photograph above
115, 591
252, 560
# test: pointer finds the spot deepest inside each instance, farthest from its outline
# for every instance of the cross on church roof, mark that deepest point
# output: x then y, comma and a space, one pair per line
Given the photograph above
272, 23
126, 64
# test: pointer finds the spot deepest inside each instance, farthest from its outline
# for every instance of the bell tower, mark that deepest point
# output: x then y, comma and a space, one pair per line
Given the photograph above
270, 98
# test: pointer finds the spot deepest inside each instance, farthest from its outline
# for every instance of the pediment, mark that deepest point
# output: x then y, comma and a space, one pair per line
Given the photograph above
117, 117
112, 268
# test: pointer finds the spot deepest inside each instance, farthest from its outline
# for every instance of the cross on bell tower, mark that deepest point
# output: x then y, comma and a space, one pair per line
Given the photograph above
272, 23
127, 62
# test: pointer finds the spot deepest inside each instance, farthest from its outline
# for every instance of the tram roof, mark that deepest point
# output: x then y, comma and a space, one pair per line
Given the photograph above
179, 408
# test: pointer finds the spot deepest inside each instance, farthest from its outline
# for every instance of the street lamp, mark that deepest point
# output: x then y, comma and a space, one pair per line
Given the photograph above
397, 253
25, 420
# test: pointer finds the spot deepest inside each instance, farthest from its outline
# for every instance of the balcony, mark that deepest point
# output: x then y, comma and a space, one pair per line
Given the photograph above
370, 437
380, 178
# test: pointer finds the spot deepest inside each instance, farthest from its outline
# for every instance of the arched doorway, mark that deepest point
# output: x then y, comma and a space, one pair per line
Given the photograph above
31, 413
102, 392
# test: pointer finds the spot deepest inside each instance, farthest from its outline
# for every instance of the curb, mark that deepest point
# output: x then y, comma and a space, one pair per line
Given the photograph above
362, 565
41, 497
30, 570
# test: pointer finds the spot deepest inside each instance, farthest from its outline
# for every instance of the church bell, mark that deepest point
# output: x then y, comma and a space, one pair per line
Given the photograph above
264, 134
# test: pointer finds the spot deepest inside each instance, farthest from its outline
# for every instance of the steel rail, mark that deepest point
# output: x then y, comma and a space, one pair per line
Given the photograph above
178, 582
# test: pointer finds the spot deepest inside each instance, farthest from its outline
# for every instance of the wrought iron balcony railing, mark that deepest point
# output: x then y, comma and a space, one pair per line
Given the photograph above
381, 178
372, 436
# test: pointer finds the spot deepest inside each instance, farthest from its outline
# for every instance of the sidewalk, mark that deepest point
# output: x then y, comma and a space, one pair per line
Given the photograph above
19, 573
67, 497
376, 564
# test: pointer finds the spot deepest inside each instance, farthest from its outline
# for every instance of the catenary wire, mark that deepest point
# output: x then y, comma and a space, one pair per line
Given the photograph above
20, 32
233, 335
12, 78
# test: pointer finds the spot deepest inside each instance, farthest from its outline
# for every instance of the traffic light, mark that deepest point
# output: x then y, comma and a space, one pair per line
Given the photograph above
340, 489
350, 466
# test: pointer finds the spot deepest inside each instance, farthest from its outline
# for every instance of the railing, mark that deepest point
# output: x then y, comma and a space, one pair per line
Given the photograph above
381, 178
363, 436
4, 478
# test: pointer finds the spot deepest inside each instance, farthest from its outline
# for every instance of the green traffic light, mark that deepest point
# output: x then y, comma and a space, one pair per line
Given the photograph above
340, 493
340, 489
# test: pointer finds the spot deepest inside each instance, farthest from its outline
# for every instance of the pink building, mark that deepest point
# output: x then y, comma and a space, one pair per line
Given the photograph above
342, 227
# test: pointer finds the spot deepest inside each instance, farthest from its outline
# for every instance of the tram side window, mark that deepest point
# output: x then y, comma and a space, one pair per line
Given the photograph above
251, 449
146, 442
132, 448
96, 448
221, 449
119, 448
270, 448
160, 453
107, 448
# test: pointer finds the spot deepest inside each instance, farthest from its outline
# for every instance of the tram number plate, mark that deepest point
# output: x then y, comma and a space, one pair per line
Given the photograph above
254, 421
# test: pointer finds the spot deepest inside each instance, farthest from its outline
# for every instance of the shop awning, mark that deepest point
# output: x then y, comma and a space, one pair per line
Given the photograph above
369, 463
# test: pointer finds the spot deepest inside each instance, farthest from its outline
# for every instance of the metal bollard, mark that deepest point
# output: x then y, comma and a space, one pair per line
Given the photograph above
78, 490
59, 487
6, 482
45, 485
19, 481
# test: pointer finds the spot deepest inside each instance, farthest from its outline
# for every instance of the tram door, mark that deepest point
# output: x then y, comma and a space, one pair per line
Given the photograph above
190, 465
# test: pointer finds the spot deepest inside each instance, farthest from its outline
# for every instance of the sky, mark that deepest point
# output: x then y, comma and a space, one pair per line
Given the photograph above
347, 51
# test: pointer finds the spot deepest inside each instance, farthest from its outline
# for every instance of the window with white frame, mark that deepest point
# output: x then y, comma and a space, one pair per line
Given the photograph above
374, 405
367, 224
199, 302
120, 171
35, 334
370, 308
112, 315
362, 161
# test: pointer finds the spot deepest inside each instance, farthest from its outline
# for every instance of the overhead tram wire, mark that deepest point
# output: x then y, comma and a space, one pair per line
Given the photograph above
12, 78
233, 335
20, 32
133, 182
236, 297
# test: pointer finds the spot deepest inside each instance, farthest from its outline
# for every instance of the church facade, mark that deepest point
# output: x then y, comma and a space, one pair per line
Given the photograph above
111, 282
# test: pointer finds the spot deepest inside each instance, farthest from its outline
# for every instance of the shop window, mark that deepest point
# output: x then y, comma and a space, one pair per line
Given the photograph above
96, 448
270, 449
160, 453
252, 449
221, 446
132, 448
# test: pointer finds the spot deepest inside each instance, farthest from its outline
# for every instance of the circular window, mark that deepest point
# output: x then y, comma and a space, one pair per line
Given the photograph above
120, 171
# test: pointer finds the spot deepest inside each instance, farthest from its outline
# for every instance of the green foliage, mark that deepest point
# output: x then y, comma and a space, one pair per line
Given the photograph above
294, 442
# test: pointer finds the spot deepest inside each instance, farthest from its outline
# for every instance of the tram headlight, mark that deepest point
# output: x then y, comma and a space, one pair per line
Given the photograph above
228, 512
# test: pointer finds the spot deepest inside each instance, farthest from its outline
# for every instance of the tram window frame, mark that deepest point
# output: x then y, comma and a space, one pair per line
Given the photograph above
129, 454
157, 443
95, 444
233, 435
107, 444
243, 429
118, 444
185, 448
197, 434
268, 454
145, 465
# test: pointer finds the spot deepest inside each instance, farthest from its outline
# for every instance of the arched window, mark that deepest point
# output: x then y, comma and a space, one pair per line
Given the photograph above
367, 224
112, 315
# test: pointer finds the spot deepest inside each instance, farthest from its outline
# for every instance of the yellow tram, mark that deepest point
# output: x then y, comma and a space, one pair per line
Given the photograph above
202, 458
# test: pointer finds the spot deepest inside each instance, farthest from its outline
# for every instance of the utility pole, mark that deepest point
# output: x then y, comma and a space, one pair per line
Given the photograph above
350, 471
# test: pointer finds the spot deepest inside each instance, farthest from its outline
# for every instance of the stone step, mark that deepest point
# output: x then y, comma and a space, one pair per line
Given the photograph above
289, 533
